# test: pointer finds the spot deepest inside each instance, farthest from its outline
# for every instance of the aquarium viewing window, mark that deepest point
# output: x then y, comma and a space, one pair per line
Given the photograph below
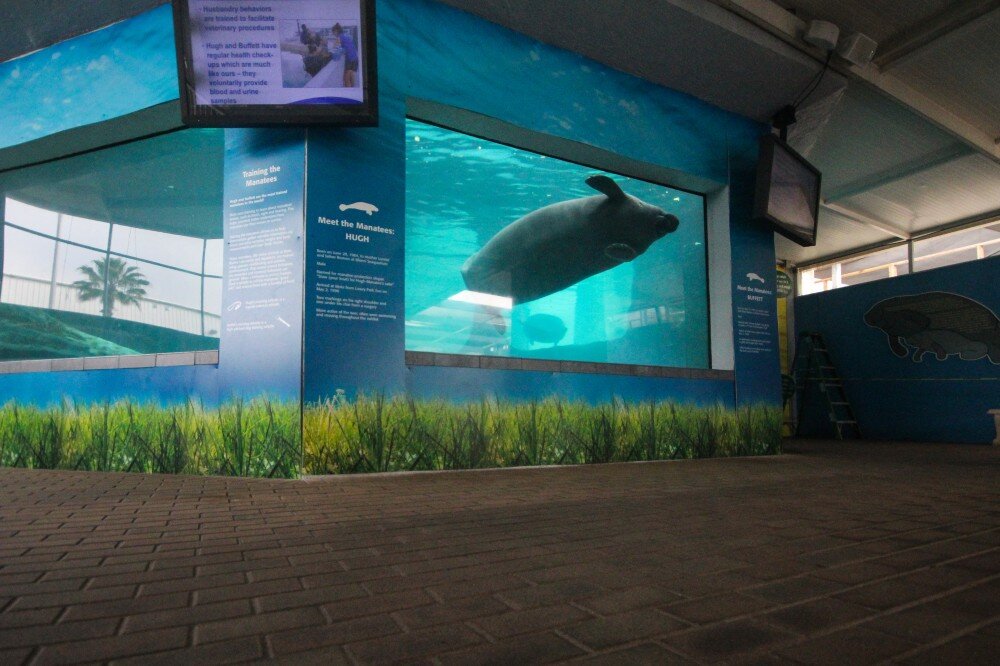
114, 252
513, 253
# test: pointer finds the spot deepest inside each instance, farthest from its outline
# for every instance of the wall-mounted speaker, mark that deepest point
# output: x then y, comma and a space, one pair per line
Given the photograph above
857, 48
822, 34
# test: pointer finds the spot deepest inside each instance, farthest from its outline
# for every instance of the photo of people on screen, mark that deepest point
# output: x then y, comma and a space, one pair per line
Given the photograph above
319, 54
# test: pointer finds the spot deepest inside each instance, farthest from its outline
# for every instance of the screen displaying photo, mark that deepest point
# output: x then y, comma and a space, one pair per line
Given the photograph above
279, 53
517, 254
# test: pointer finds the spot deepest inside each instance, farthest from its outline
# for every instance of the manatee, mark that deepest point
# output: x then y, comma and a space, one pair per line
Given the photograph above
555, 247
939, 322
545, 328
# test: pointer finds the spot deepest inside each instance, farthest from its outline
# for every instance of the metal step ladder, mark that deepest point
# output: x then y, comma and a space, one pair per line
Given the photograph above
813, 366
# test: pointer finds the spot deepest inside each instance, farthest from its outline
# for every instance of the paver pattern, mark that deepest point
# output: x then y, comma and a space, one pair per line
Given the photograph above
834, 553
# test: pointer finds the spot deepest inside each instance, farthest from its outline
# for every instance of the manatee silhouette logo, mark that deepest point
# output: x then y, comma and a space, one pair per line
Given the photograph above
555, 247
939, 322
753, 276
360, 205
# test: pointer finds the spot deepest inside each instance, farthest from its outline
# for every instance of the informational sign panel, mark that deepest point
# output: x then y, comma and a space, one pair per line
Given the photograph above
755, 316
354, 265
755, 313
276, 61
353, 283
262, 289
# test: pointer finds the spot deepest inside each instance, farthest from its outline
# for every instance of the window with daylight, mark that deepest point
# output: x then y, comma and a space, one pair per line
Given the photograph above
931, 251
114, 252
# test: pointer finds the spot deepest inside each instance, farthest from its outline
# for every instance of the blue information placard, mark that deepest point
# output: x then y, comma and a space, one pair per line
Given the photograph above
262, 292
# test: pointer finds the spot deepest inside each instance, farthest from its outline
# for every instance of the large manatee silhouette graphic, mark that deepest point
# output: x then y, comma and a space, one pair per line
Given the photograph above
555, 247
938, 322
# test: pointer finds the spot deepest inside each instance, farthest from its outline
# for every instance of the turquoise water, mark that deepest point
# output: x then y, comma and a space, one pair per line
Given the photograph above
461, 191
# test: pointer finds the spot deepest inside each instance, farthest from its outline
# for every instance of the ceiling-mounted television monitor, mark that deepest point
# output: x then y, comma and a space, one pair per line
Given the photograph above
259, 63
788, 189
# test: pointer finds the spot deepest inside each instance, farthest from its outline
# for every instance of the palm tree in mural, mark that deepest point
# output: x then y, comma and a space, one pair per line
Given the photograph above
112, 281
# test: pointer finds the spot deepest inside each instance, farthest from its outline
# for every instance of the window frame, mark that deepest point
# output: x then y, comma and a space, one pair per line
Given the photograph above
911, 260
146, 360
524, 139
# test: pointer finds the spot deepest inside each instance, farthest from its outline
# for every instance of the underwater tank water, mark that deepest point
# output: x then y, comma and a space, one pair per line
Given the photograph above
581, 272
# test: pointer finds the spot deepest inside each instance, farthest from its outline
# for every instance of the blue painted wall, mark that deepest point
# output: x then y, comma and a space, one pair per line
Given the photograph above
898, 398
433, 52
171, 385
461, 384
755, 305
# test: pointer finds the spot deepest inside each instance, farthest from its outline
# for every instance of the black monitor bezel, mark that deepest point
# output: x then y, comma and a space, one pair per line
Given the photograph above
276, 115
769, 143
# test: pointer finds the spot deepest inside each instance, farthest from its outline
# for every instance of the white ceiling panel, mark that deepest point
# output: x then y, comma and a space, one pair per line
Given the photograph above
960, 189
867, 133
963, 65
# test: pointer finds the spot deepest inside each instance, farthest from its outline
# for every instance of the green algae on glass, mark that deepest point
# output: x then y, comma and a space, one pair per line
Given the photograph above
379, 433
242, 437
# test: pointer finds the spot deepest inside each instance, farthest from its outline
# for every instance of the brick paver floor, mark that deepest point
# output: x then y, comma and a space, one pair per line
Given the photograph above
835, 553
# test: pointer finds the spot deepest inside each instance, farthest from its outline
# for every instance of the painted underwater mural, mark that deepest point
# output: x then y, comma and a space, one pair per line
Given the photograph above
940, 323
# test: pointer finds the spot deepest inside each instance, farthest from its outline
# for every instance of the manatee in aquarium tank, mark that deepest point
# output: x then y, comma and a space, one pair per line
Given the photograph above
555, 247
937, 322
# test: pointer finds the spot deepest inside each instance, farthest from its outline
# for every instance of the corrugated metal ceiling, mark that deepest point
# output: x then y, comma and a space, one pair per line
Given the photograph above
956, 190
963, 66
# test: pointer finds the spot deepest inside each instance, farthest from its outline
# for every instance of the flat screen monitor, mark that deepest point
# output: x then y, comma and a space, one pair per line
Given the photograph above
252, 63
788, 189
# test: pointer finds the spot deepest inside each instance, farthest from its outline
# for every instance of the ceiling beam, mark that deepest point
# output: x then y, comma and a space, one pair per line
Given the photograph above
866, 220
907, 170
933, 110
954, 17
964, 223
774, 19
951, 227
